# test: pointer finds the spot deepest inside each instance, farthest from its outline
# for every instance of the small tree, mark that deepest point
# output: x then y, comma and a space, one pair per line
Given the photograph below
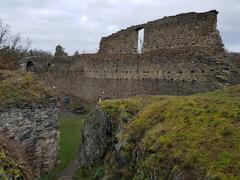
59, 51
76, 53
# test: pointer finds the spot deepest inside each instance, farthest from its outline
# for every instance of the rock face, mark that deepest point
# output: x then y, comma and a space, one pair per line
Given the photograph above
35, 126
28, 114
96, 137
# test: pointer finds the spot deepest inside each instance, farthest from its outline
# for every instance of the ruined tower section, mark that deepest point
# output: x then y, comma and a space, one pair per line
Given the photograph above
125, 41
185, 30
188, 30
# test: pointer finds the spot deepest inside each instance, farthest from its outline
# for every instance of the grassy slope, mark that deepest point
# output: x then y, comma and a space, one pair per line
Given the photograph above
195, 136
70, 137
18, 87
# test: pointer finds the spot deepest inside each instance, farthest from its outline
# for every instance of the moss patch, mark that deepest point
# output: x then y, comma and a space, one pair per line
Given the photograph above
187, 136
18, 87
10, 168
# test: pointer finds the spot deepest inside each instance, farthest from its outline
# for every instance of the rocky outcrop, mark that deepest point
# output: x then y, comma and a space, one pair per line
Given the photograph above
96, 137
35, 126
28, 114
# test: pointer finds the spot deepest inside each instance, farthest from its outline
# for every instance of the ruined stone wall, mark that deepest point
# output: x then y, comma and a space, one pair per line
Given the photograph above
184, 30
125, 41
171, 72
183, 55
235, 58
36, 127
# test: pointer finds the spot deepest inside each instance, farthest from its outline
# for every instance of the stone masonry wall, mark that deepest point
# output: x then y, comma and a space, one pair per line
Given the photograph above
171, 72
184, 30
125, 41
182, 55
36, 127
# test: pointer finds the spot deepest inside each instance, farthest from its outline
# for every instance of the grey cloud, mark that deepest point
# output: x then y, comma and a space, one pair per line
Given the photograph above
80, 24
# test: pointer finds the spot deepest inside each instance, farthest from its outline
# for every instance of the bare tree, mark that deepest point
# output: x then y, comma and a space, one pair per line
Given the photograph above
4, 31
39, 52
11, 48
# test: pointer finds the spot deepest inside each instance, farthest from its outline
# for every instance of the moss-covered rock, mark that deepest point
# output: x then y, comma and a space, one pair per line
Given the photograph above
169, 137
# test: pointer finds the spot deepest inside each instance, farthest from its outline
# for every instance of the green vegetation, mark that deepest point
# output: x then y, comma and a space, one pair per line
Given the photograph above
21, 87
95, 173
10, 167
187, 136
70, 137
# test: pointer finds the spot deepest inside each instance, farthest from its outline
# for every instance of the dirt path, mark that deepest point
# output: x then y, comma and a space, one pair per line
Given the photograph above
68, 173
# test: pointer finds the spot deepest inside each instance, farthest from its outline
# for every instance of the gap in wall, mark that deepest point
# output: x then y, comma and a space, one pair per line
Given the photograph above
140, 40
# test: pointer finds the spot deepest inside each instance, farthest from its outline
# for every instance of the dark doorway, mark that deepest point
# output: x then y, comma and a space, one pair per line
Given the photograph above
30, 66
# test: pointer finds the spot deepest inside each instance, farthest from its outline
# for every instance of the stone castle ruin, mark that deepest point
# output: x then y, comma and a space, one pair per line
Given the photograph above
177, 55
193, 30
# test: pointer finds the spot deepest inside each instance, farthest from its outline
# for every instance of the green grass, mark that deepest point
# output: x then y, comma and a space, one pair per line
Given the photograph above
95, 173
19, 87
188, 136
70, 138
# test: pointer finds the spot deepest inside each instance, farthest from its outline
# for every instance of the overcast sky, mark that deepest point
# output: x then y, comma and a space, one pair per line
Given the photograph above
80, 24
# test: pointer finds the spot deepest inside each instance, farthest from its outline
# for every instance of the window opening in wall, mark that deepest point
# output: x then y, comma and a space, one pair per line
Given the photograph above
140, 40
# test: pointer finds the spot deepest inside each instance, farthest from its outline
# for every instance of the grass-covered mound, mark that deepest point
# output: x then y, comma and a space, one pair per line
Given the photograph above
17, 87
167, 137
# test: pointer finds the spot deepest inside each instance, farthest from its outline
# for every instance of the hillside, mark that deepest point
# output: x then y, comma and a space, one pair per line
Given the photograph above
165, 137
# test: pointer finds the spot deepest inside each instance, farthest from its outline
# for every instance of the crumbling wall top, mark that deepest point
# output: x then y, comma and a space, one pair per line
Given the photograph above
183, 30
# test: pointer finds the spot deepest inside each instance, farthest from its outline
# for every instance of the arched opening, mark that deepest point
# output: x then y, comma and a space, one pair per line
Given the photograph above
29, 66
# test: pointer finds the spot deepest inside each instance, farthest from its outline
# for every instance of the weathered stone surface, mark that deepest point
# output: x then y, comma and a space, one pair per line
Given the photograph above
183, 30
173, 72
36, 127
94, 138
28, 114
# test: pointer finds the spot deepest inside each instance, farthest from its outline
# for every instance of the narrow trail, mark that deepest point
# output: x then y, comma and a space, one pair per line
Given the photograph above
68, 172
